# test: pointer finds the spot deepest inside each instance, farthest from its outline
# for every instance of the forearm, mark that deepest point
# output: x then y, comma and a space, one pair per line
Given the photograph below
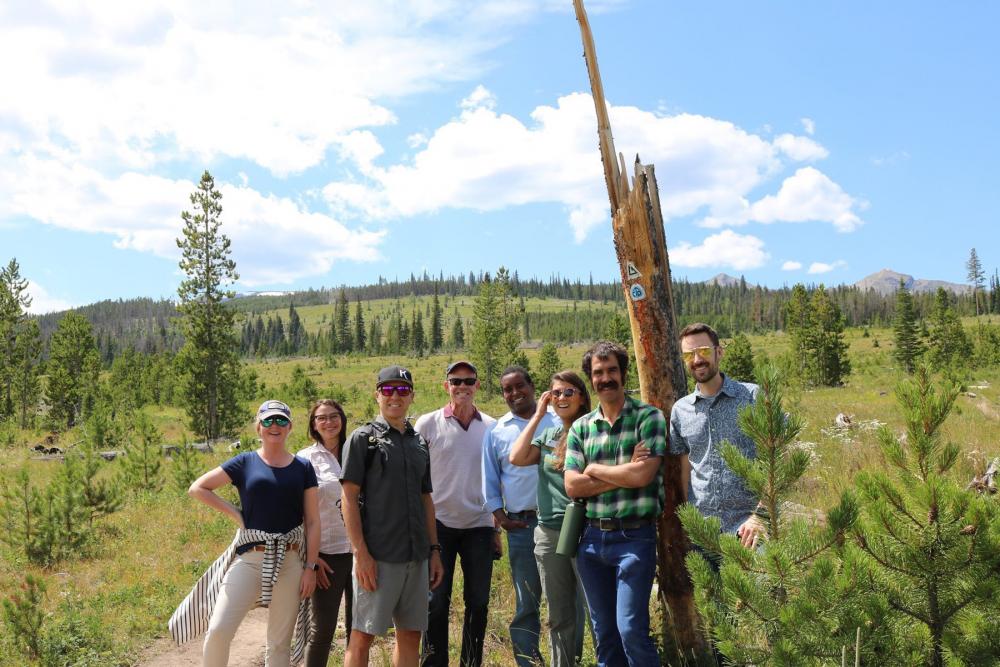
522, 453
312, 540
352, 521
579, 485
210, 498
626, 475
432, 530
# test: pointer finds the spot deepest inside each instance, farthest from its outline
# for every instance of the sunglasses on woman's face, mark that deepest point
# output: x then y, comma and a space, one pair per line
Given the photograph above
278, 421
468, 382
390, 389
569, 392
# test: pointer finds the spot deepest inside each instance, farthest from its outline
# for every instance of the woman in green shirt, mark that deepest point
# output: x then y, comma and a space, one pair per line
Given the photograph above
567, 616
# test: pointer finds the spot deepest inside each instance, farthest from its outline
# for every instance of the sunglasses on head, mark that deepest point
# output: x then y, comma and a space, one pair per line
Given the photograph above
468, 382
568, 392
390, 389
703, 352
279, 421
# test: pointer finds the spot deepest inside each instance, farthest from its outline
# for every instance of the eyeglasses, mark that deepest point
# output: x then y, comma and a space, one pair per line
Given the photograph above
569, 392
327, 418
703, 352
468, 382
279, 421
401, 389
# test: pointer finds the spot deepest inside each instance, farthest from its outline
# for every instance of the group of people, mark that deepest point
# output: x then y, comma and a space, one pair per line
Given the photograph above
382, 517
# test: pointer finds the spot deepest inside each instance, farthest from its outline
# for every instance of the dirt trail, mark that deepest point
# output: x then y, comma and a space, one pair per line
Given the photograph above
247, 648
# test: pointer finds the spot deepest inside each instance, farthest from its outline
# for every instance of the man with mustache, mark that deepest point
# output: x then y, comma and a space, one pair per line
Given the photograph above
616, 558
699, 424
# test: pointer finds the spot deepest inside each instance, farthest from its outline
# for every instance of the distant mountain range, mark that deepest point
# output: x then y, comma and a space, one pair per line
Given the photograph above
884, 282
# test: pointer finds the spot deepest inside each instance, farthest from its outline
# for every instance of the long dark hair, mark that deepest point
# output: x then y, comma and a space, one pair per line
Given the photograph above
569, 377
314, 434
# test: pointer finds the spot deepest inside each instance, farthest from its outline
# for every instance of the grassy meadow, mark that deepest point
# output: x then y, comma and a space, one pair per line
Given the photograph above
108, 605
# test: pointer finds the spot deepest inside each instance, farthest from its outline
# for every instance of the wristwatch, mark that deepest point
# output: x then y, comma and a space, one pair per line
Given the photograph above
312, 566
436, 547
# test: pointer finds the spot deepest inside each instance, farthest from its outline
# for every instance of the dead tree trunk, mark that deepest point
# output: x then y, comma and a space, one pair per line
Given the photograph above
641, 247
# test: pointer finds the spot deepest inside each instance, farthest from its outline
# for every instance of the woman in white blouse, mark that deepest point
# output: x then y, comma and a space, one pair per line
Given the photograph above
328, 429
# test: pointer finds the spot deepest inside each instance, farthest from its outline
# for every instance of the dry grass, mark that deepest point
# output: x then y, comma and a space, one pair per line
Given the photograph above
146, 557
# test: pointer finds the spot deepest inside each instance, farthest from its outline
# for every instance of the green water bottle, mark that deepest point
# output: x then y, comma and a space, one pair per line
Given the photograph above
572, 528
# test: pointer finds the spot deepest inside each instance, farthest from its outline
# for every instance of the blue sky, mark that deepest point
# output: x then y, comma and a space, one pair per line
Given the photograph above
815, 142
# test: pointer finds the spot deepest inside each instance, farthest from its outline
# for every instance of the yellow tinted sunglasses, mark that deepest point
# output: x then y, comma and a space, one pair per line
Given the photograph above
703, 352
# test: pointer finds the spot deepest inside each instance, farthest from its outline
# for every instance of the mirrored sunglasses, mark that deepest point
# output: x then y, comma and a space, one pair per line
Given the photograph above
703, 352
401, 389
569, 392
279, 421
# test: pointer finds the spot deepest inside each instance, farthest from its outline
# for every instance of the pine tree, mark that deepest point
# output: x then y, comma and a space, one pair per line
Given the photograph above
14, 303
457, 334
437, 335
417, 333
296, 332
948, 345
141, 464
72, 370
905, 331
185, 466
799, 326
375, 336
737, 362
827, 363
25, 527
345, 342
975, 276
784, 603
208, 363
359, 327
928, 546
495, 333
27, 361
548, 365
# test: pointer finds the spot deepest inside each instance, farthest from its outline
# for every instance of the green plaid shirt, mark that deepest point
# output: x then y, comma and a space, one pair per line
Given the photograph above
593, 440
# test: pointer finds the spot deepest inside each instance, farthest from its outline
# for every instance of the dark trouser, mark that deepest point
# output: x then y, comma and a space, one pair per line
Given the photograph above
475, 548
617, 569
325, 607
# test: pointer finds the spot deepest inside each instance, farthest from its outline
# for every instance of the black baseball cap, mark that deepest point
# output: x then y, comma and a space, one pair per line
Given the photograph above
394, 374
461, 362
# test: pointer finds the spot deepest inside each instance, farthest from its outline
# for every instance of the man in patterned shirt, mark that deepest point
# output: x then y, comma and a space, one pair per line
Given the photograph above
617, 554
700, 423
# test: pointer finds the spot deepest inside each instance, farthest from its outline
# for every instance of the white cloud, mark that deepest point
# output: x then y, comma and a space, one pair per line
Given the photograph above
725, 249
821, 267
791, 265
480, 97
486, 160
800, 149
809, 125
279, 84
809, 195
42, 302
274, 240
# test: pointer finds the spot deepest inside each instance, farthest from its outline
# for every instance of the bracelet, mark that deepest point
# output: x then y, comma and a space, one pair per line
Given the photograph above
436, 547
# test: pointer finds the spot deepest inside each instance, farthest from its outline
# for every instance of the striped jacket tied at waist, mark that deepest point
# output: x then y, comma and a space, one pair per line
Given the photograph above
193, 615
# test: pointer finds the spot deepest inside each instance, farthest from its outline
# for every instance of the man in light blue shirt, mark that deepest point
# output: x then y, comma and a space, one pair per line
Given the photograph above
511, 495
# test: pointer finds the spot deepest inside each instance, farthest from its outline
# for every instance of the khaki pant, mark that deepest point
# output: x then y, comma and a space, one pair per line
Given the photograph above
240, 590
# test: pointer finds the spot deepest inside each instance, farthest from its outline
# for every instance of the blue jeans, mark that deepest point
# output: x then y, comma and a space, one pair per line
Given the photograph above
525, 627
617, 569
474, 547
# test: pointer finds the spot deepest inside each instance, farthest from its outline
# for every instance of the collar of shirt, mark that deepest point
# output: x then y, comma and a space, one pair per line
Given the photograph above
449, 413
383, 426
728, 388
630, 405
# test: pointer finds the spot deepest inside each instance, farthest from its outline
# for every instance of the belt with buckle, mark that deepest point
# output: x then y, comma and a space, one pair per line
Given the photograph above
523, 514
288, 547
607, 523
